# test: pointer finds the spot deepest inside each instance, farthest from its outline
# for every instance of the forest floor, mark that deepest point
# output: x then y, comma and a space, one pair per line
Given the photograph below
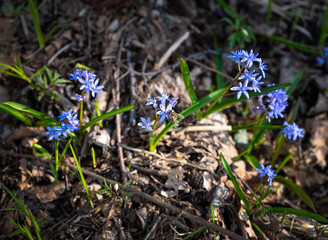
134, 48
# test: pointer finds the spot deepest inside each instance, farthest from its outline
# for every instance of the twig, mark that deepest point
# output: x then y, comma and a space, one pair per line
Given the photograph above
60, 51
132, 96
24, 25
173, 66
116, 98
171, 49
141, 151
158, 218
143, 195
206, 128
211, 69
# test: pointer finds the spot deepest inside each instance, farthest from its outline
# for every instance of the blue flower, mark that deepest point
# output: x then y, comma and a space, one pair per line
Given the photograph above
173, 101
248, 75
242, 89
79, 97
164, 98
292, 131
165, 112
64, 129
250, 57
326, 53
277, 103
77, 75
266, 171
65, 115
95, 89
152, 101
87, 81
263, 67
320, 61
73, 123
239, 54
53, 132
271, 176
276, 110
255, 84
145, 124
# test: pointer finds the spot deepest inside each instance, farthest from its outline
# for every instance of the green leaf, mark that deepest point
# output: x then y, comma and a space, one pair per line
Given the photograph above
235, 183
54, 29
252, 161
229, 102
296, 45
299, 212
186, 78
280, 143
227, 20
61, 80
296, 189
104, 116
17, 114
43, 151
324, 29
209, 98
253, 126
34, 113
284, 162
36, 22
290, 89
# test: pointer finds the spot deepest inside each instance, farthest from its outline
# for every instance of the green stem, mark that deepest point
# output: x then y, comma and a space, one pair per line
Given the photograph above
98, 113
257, 188
277, 152
57, 154
226, 90
81, 112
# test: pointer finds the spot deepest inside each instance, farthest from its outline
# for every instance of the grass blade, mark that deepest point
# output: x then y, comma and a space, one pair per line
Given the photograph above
290, 89
284, 162
253, 127
235, 183
105, 115
296, 189
296, 45
324, 29
34, 113
36, 22
54, 29
298, 212
186, 78
17, 114
252, 161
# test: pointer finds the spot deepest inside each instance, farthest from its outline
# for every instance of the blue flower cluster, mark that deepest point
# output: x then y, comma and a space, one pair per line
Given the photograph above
321, 60
163, 107
89, 83
267, 171
276, 104
292, 131
248, 75
69, 127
